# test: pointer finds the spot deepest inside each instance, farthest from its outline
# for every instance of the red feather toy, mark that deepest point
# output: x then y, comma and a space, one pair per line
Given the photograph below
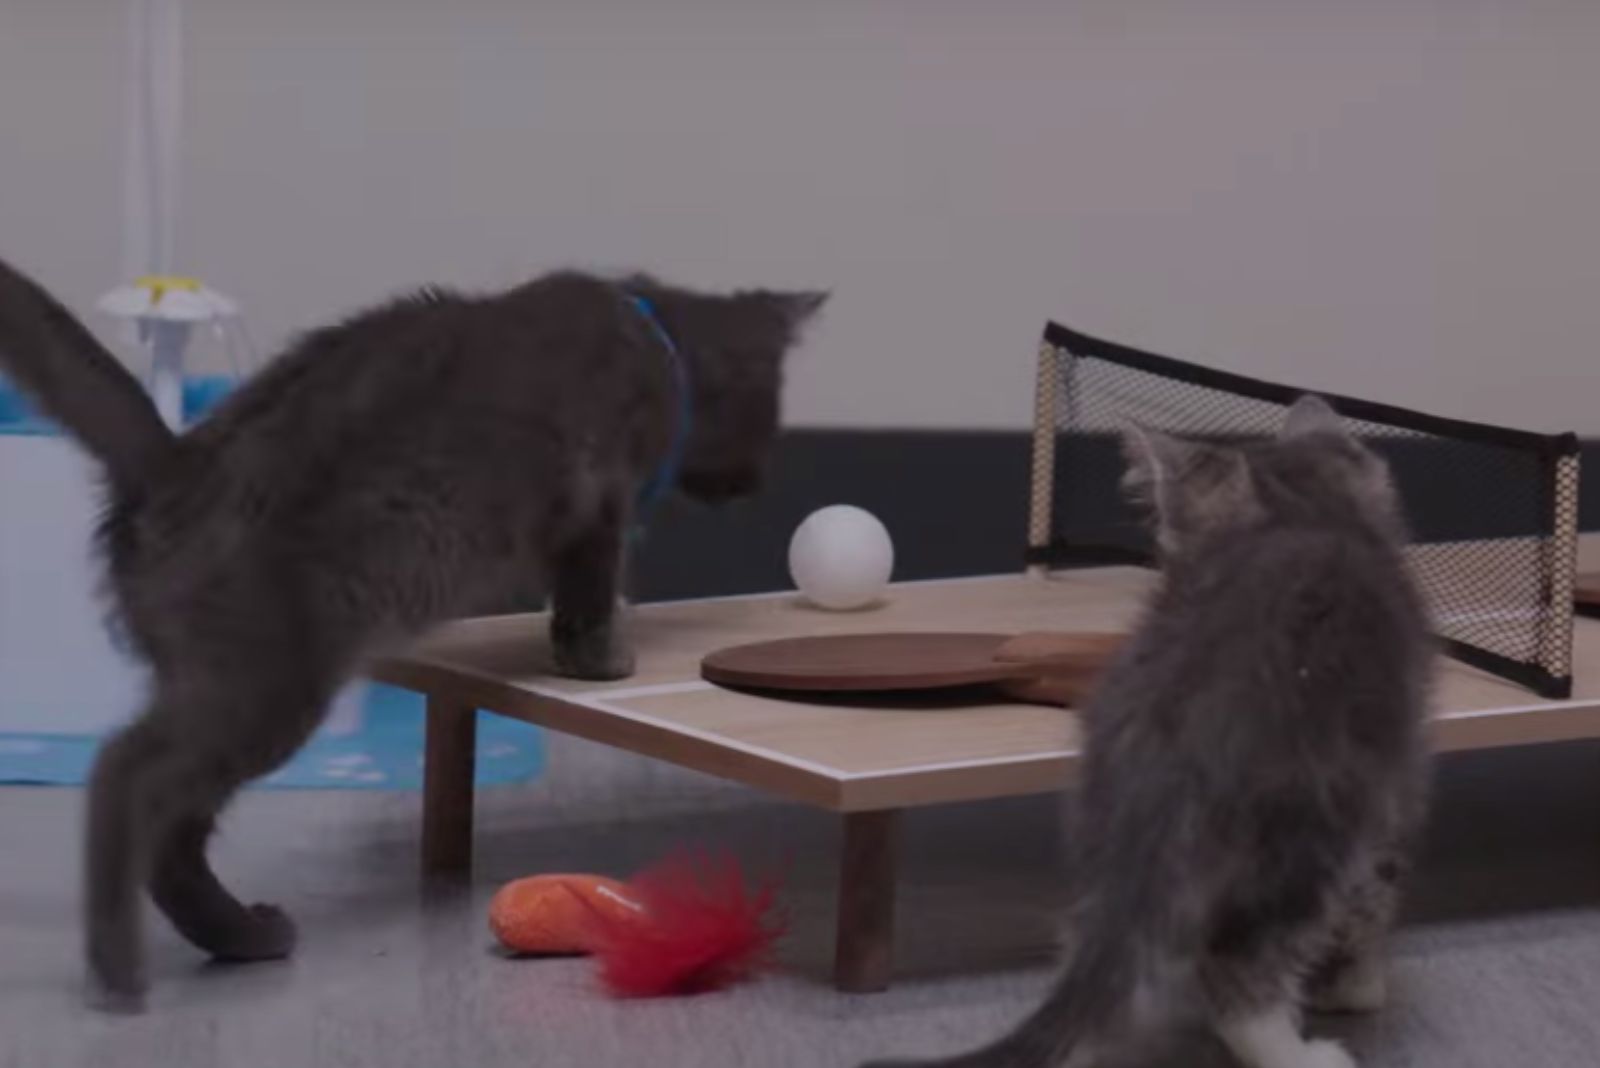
686, 926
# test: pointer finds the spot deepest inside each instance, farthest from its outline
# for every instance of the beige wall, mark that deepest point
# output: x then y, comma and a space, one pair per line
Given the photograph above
1393, 198
61, 143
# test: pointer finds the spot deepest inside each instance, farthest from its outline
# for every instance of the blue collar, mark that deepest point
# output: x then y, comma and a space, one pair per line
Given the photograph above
666, 473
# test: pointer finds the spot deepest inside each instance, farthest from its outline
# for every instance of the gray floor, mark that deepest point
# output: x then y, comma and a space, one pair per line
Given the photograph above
1499, 966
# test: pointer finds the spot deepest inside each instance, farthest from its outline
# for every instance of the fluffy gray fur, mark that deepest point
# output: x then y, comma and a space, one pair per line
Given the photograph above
384, 474
1254, 765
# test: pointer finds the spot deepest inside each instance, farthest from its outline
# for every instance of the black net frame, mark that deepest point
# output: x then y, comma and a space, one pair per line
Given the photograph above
1493, 511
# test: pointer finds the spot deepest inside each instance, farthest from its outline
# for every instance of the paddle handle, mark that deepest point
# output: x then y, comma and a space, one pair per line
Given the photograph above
1067, 665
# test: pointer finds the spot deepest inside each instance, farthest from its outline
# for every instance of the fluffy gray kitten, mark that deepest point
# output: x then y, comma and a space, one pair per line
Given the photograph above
384, 474
1254, 763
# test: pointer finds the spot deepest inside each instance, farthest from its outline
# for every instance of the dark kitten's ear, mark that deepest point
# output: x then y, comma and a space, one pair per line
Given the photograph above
787, 309
1311, 415
800, 306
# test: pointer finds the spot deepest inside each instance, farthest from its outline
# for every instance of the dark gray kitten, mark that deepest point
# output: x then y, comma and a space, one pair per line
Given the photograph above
385, 474
1254, 765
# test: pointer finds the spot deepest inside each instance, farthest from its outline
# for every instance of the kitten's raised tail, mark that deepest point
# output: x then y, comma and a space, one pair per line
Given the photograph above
56, 360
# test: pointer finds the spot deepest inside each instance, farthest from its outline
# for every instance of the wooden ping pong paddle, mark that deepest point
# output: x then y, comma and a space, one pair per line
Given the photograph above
1042, 667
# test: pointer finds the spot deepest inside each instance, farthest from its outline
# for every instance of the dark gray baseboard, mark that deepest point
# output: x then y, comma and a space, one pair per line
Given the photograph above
955, 501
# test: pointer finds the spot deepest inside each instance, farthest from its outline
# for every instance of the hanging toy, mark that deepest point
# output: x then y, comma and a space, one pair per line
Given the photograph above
686, 926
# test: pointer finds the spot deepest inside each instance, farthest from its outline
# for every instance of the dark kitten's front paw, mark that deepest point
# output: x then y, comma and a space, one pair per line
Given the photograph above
597, 656
263, 932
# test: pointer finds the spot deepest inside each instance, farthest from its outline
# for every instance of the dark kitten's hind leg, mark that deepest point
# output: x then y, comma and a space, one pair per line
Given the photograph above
156, 789
584, 630
201, 908
243, 727
122, 799
145, 778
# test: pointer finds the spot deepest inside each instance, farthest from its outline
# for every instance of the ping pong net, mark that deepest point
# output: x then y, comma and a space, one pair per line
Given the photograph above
1492, 511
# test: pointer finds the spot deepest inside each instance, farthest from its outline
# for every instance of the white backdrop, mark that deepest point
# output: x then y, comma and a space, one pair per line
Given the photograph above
1386, 198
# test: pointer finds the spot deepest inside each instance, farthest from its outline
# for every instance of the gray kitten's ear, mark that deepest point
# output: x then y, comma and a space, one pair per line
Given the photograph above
1311, 415
1154, 459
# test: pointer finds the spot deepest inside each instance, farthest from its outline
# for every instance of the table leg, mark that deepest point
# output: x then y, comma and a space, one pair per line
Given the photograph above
447, 776
865, 941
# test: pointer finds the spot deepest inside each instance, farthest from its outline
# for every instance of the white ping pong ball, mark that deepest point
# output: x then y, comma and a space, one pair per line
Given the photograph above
841, 557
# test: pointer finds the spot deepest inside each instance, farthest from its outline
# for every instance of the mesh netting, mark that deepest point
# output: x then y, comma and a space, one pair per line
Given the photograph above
1492, 511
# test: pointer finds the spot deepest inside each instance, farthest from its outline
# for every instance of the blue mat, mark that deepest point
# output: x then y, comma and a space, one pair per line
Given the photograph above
18, 416
383, 753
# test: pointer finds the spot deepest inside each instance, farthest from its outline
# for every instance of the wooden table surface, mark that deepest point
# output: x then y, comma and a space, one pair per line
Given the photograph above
854, 757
